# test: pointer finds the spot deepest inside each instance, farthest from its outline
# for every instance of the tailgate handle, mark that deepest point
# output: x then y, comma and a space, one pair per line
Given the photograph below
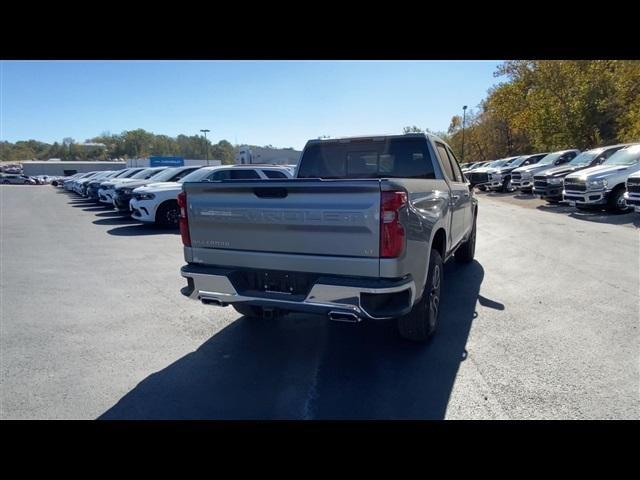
270, 192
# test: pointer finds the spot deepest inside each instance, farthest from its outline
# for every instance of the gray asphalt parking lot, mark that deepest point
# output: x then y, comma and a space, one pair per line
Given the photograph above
543, 325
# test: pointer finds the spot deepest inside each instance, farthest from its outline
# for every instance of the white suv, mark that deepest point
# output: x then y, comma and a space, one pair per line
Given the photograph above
158, 202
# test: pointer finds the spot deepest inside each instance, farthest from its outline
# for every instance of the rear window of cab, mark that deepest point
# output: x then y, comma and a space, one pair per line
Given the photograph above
367, 158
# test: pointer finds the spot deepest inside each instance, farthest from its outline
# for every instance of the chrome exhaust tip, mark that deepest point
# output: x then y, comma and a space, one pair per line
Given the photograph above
212, 301
344, 317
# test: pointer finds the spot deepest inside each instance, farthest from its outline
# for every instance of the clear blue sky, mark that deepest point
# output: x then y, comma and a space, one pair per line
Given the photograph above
282, 103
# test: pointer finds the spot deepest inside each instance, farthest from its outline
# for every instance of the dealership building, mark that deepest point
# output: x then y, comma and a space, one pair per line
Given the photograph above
280, 156
58, 168
245, 155
170, 162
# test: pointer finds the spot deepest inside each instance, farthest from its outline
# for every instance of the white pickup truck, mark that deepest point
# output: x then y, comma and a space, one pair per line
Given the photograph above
604, 185
632, 196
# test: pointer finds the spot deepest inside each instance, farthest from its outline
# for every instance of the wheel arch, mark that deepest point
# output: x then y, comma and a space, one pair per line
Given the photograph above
439, 242
168, 201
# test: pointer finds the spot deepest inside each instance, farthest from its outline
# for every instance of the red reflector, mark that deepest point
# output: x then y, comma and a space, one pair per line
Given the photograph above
184, 219
391, 230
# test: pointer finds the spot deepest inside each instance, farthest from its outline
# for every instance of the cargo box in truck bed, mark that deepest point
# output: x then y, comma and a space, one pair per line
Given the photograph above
338, 244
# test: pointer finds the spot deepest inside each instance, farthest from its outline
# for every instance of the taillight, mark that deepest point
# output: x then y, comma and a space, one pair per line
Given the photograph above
391, 231
184, 219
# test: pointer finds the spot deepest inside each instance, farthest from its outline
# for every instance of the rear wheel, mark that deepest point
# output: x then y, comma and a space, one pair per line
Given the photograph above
421, 322
248, 310
616, 202
168, 214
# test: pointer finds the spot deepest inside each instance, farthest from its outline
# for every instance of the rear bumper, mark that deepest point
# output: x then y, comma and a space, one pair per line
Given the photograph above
373, 299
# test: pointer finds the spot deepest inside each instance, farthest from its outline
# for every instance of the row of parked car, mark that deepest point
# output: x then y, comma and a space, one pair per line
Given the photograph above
21, 179
606, 177
150, 195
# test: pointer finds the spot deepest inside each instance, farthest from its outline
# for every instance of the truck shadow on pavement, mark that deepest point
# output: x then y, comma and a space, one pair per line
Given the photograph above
94, 208
524, 196
305, 367
597, 216
141, 229
108, 212
116, 220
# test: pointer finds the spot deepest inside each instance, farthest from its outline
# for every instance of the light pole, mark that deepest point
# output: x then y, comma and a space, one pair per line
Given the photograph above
464, 112
206, 145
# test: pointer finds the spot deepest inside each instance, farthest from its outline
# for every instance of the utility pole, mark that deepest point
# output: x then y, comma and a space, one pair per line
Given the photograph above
464, 111
206, 145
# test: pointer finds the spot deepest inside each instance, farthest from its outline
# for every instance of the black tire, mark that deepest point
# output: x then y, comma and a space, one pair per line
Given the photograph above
553, 202
6, 182
248, 310
168, 214
506, 183
466, 251
482, 187
421, 322
616, 202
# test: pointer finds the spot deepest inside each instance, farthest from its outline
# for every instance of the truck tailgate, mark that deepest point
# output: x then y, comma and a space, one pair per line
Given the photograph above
306, 217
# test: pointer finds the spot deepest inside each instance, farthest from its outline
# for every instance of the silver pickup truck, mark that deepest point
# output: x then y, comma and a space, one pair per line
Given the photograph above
361, 232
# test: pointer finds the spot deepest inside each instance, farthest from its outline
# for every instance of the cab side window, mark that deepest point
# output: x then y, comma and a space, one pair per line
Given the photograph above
444, 160
456, 166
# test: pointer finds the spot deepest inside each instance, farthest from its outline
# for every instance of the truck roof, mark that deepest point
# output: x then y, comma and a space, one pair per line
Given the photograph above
375, 138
